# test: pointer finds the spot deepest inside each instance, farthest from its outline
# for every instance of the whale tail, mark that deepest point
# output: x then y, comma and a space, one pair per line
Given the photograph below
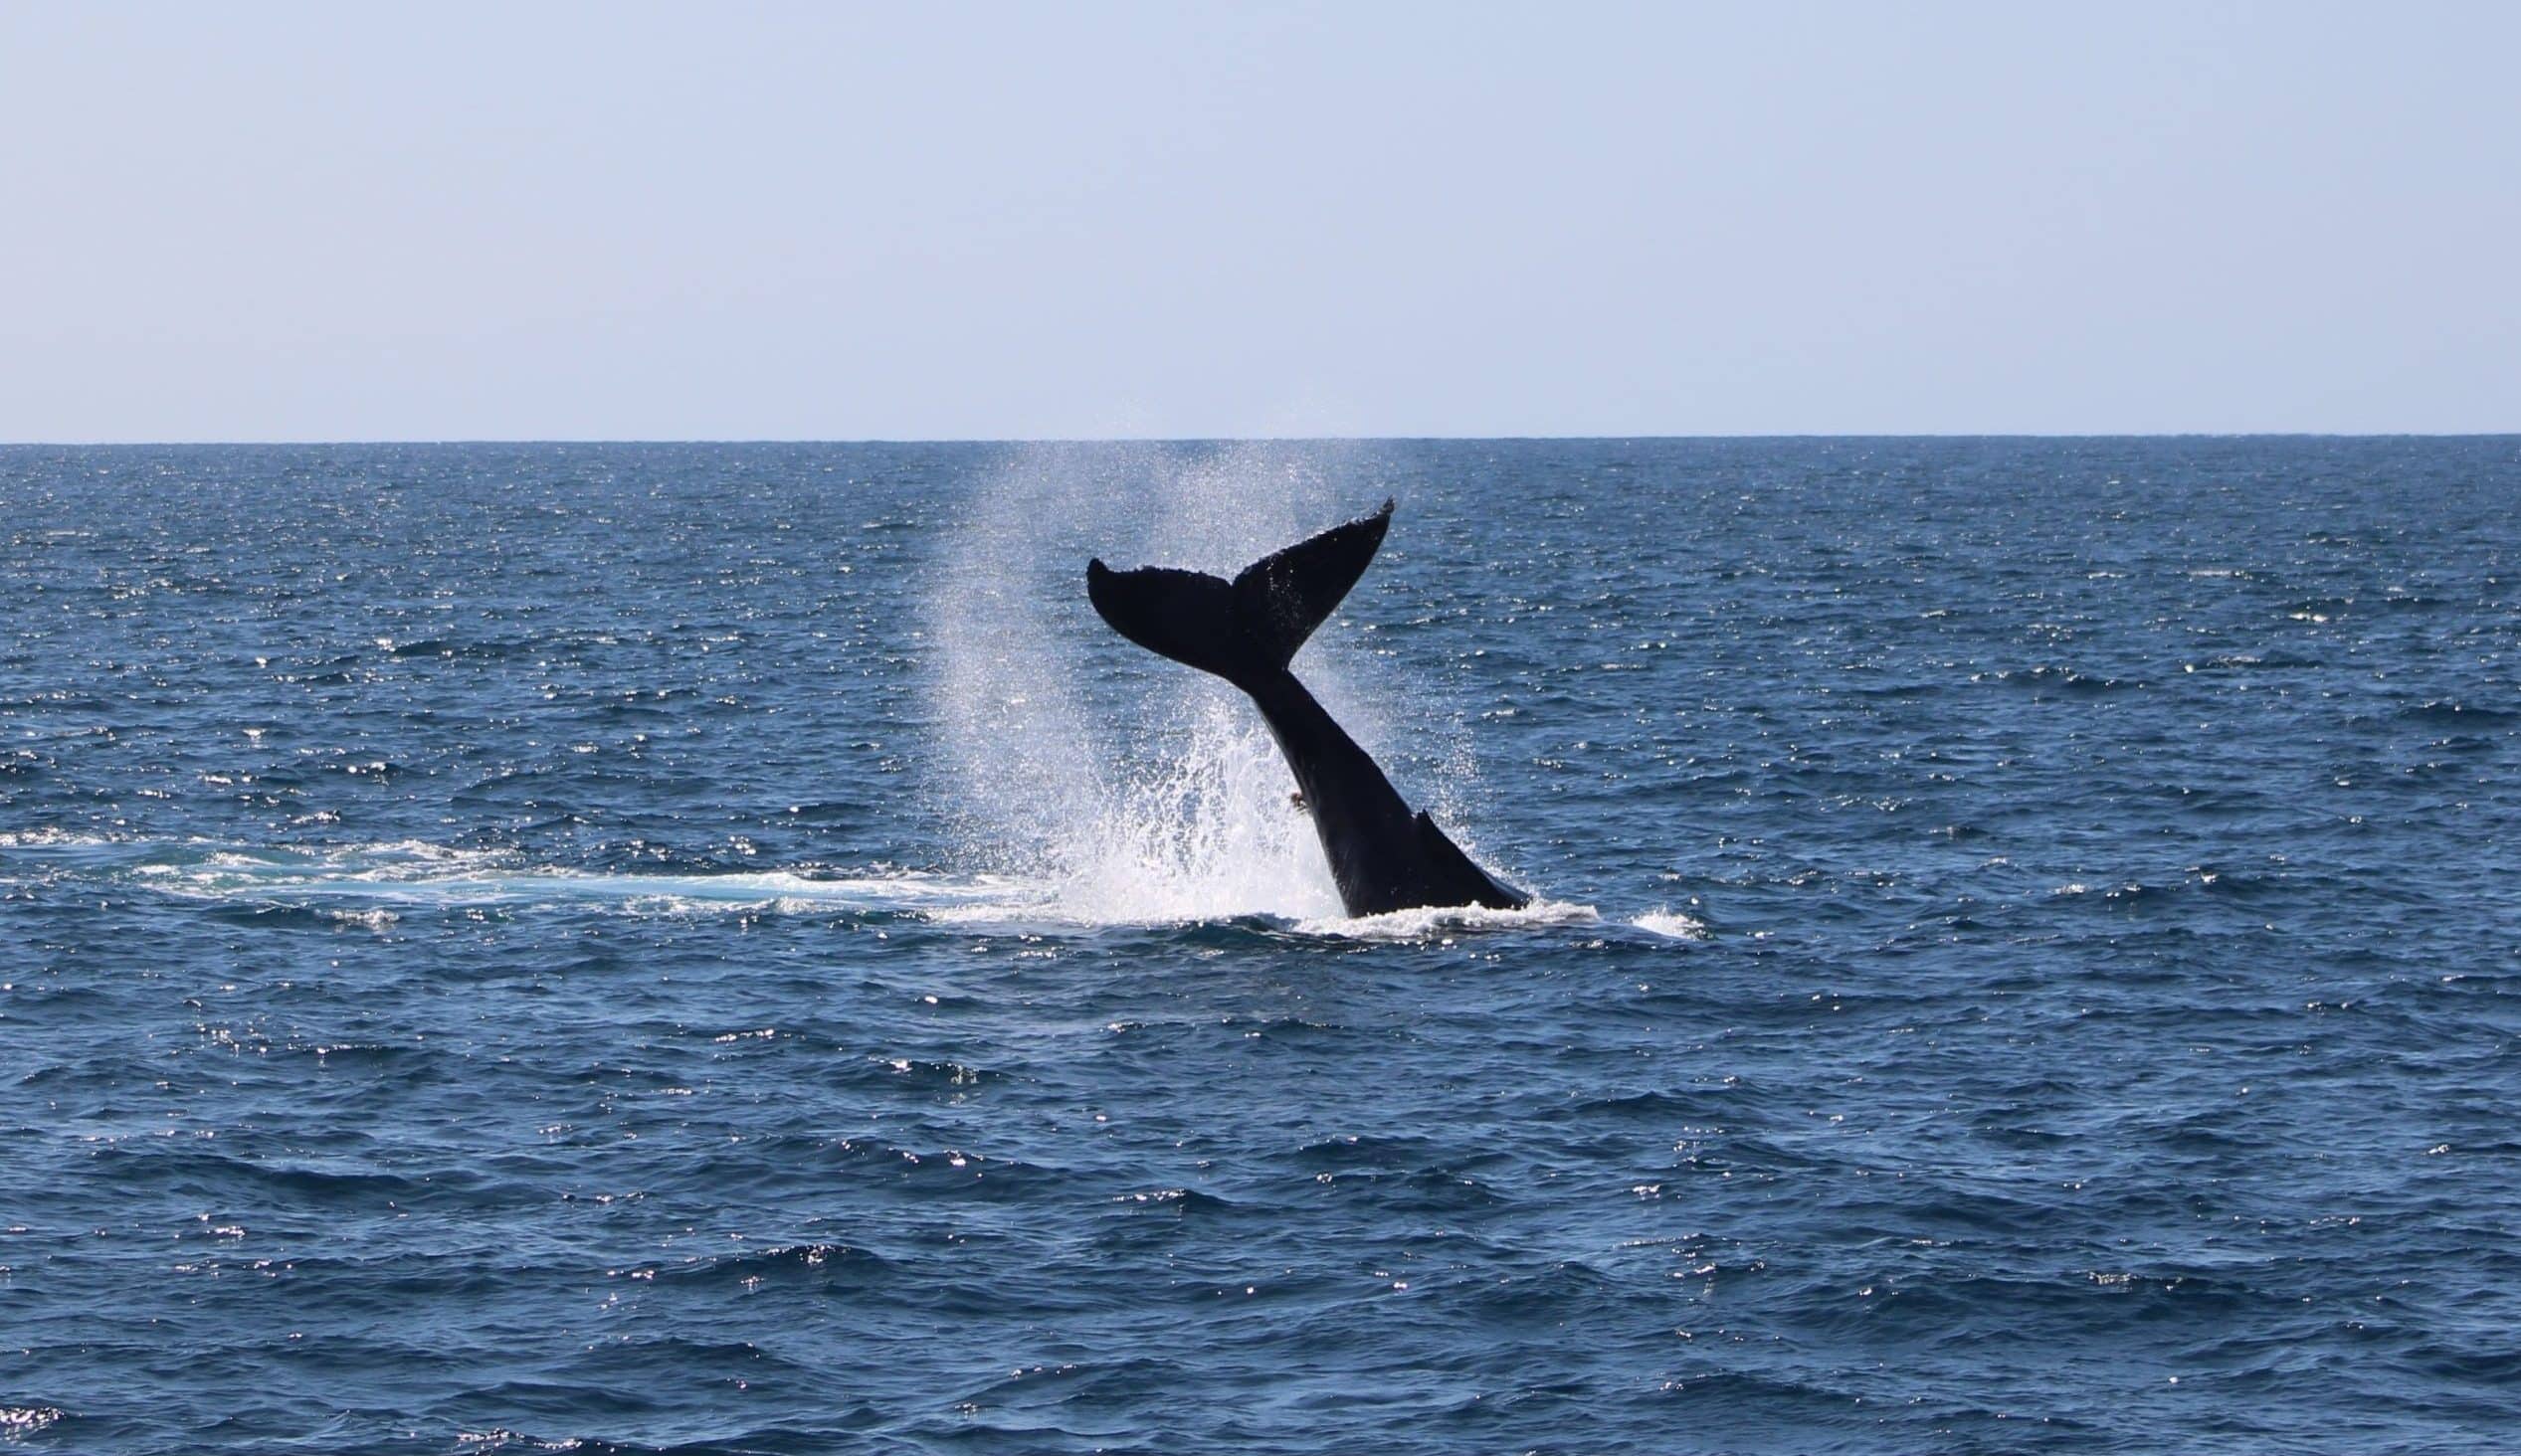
1247, 628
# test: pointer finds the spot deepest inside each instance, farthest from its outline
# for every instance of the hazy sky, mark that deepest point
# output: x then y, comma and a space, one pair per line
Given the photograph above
329, 222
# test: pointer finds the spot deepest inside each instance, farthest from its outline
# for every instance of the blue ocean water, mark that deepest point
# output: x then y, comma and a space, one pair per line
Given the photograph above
714, 948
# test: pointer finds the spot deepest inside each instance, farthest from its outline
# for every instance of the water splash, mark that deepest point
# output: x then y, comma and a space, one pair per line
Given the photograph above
1205, 833
1133, 790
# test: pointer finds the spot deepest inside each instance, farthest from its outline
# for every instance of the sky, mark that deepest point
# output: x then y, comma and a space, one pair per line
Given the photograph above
323, 222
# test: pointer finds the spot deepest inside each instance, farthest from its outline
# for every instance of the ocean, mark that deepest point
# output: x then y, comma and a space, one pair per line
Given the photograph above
716, 949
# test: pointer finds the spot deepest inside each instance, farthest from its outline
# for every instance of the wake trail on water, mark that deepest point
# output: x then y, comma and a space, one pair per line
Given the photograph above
376, 886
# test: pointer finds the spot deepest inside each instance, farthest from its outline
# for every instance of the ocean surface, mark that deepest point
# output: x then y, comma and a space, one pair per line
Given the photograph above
715, 949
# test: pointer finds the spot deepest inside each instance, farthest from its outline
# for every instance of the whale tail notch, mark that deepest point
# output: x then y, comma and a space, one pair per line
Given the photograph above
1247, 628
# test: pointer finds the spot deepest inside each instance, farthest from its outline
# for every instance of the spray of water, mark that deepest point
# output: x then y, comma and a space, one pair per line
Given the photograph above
1131, 790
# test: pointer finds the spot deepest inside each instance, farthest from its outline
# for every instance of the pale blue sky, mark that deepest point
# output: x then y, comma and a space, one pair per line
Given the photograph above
327, 222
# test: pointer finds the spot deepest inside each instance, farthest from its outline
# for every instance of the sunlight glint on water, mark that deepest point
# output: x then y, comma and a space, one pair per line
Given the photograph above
825, 992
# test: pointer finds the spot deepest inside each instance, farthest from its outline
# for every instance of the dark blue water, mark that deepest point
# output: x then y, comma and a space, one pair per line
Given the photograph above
715, 949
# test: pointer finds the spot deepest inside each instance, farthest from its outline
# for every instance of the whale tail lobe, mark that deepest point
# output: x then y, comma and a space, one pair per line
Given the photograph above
1247, 628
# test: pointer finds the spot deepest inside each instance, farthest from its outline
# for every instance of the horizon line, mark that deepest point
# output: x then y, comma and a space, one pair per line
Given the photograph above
1017, 440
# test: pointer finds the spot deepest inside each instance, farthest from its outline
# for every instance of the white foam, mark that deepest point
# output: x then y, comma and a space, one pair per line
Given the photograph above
413, 874
50, 838
1671, 924
1206, 834
1436, 923
1148, 864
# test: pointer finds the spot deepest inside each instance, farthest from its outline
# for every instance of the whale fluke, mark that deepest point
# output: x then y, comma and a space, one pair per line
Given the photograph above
1383, 855
1249, 628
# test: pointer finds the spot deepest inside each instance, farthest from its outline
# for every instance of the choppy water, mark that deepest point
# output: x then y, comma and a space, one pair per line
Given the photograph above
715, 949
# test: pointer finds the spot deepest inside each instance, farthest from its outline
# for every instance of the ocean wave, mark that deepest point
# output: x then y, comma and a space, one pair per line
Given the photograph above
734, 1022
819, 1265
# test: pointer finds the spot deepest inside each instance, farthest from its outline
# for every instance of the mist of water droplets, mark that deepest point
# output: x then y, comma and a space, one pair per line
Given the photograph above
1127, 788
